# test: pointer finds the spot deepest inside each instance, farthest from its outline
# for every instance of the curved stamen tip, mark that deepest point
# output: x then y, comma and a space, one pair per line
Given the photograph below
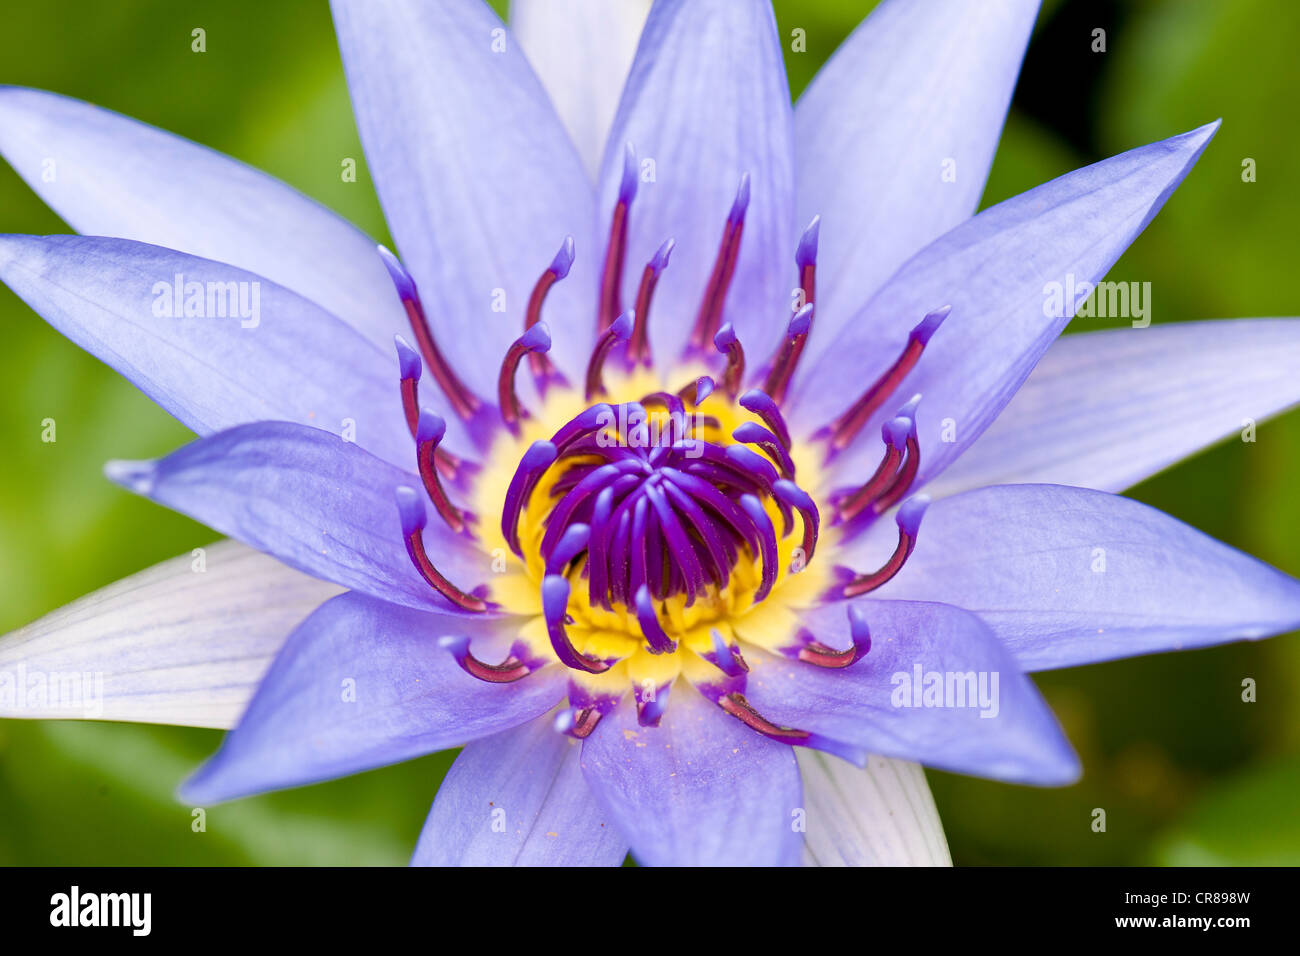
727, 656
430, 427
800, 322
704, 386
741, 202
536, 339
555, 608
908, 410
397, 272
751, 462
895, 432
622, 327
930, 324
571, 544
651, 629
724, 338
659, 261
408, 360
507, 672
806, 252
563, 260
910, 513
650, 708
539, 454
627, 185
793, 495
818, 654
410, 509
859, 630
578, 722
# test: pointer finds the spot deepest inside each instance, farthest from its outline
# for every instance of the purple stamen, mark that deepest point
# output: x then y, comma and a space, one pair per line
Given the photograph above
909, 523
618, 332
542, 368
659, 641
761, 404
767, 543
787, 356
752, 433
894, 433
410, 509
726, 657
797, 498
463, 401
537, 340
724, 267
572, 543
612, 275
410, 367
844, 428
517, 665
894, 492
555, 608
650, 707
811, 651
429, 432
638, 347
535, 461
727, 343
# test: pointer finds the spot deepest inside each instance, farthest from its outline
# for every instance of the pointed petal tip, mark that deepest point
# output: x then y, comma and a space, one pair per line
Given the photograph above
136, 476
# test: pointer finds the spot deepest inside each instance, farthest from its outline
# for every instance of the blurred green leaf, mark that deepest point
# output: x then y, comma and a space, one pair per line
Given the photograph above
1251, 821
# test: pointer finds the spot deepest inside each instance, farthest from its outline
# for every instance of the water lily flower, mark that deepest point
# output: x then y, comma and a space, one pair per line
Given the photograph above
724, 448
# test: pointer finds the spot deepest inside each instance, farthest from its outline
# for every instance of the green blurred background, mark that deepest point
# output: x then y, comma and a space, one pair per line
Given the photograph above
1186, 771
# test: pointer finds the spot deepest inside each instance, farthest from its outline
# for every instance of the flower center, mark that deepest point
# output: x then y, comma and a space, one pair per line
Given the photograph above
650, 522
655, 526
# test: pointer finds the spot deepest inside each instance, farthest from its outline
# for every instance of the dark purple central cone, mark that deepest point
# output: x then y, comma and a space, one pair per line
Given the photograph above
652, 500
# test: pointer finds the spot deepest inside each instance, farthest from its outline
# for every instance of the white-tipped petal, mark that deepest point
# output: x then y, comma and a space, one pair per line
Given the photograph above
184, 642
878, 815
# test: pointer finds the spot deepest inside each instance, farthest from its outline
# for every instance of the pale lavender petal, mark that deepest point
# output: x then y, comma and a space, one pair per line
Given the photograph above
1107, 409
705, 103
184, 642
702, 789
896, 135
477, 177
316, 502
256, 351
1068, 576
361, 684
109, 175
995, 271
987, 719
878, 815
518, 798
582, 51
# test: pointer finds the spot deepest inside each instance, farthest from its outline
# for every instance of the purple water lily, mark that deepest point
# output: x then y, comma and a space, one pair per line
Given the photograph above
642, 522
